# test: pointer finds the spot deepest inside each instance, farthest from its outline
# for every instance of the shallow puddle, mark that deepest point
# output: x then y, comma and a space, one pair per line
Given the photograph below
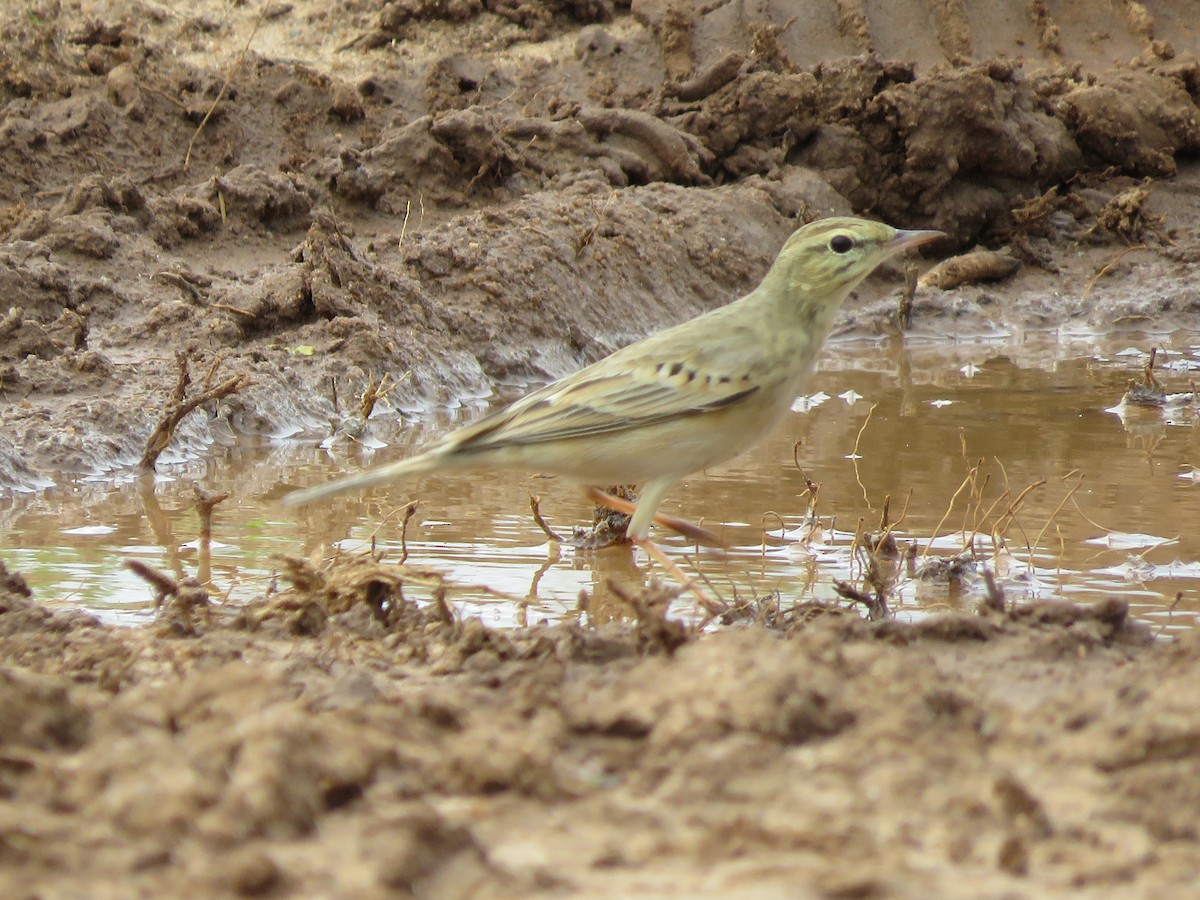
1117, 512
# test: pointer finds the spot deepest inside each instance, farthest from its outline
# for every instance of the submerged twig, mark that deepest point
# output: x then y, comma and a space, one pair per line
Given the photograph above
163, 584
442, 606
1010, 514
876, 606
535, 505
855, 456
185, 595
904, 309
409, 511
995, 593
782, 529
1038, 540
1170, 614
205, 503
942, 521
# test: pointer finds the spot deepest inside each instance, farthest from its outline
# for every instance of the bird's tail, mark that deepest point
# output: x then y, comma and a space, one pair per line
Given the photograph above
405, 468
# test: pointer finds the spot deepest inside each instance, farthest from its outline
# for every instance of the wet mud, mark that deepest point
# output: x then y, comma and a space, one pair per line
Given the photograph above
456, 197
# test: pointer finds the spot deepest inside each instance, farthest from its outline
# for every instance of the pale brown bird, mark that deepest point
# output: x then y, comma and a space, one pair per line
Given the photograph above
678, 401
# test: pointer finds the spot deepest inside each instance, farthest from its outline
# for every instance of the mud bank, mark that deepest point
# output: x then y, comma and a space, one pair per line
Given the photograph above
467, 194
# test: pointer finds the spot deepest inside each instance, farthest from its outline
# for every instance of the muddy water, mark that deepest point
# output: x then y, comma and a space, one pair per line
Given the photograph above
1116, 513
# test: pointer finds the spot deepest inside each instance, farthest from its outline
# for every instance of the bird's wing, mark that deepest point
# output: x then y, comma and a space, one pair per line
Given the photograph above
603, 399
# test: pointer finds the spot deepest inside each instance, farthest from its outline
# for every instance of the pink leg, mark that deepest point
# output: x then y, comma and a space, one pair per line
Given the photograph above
711, 606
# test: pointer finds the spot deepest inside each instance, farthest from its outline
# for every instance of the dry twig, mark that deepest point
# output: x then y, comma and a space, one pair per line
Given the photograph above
373, 393
182, 405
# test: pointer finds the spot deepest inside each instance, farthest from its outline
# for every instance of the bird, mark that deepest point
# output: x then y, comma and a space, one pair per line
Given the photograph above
675, 402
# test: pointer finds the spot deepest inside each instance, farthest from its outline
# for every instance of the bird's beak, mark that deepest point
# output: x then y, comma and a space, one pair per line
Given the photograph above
906, 239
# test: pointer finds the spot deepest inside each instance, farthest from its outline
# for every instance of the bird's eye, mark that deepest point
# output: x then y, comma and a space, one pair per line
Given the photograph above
840, 243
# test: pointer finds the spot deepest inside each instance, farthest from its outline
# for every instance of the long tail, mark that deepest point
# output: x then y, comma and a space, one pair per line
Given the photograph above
405, 468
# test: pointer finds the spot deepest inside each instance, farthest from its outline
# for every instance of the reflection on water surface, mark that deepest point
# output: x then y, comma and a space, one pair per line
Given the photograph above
1116, 514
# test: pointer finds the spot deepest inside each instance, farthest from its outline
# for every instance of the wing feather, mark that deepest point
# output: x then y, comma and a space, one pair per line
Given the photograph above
649, 382
604, 402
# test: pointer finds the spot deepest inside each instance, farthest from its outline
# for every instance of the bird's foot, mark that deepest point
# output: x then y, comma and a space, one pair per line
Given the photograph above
689, 530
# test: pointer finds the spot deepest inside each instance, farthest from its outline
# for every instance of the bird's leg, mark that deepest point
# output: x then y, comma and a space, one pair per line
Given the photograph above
655, 552
688, 529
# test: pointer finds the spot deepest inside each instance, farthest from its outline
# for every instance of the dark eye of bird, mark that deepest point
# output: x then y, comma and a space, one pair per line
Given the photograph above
840, 243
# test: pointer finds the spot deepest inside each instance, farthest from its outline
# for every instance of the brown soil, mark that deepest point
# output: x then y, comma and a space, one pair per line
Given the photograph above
480, 191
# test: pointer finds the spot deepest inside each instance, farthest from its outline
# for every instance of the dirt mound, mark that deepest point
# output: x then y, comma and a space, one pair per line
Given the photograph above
390, 748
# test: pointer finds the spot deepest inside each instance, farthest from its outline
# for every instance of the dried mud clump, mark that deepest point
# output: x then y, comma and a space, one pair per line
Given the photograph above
533, 17
266, 198
398, 12
1137, 121
952, 150
359, 592
22, 337
750, 124
460, 81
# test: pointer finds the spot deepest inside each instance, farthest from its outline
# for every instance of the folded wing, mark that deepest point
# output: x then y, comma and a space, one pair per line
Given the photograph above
601, 402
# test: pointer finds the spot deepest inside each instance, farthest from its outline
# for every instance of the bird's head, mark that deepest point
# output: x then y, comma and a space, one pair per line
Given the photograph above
826, 259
